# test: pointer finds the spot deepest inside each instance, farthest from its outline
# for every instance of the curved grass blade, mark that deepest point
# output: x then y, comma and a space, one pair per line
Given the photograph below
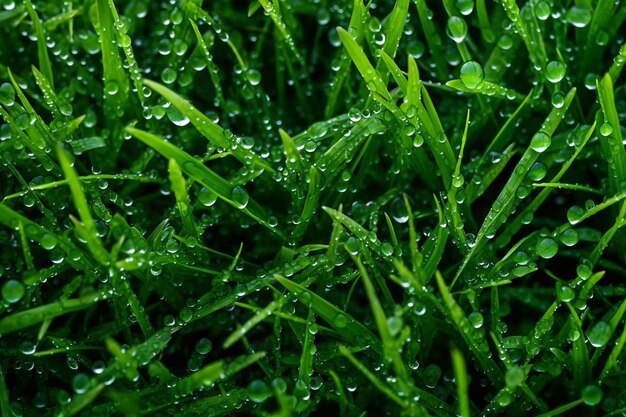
27, 318
235, 196
213, 132
347, 327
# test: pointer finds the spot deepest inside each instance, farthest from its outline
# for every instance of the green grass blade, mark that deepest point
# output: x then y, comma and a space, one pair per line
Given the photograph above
213, 132
235, 196
348, 327
82, 207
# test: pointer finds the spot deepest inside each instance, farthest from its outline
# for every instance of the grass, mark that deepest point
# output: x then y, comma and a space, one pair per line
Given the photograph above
312, 208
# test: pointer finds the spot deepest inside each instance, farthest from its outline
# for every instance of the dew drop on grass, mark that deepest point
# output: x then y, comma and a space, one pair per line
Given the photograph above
514, 376
394, 325
240, 196
415, 49
578, 16
599, 334
466, 7
80, 383
112, 87
456, 29
206, 197
542, 10
386, 249
340, 321
555, 71
558, 100
564, 292
13, 291
7, 95
472, 74
574, 214
606, 129
177, 117
538, 171
48, 241
569, 237
254, 76
592, 395
322, 16
540, 142
258, 391
476, 319
547, 248
584, 269
168, 75
204, 346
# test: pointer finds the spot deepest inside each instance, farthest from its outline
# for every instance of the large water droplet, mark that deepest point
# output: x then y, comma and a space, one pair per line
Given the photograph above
472, 74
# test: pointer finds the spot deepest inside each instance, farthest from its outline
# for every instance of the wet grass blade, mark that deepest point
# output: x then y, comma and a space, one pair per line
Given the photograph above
87, 226
36, 315
213, 132
347, 326
42, 45
235, 196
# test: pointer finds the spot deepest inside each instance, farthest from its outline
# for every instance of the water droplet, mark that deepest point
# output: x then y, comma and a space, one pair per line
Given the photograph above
514, 376
472, 74
592, 395
254, 76
540, 142
569, 237
394, 325
7, 95
574, 214
240, 196
204, 346
606, 129
112, 87
206, 197
340, 321
177, 117
476, 319
547, 248
386, 249
169, 75
600, 334
578, 16
258, 391
48, 241
465, 6
80, 383
456, 29
542, 10
12, 291
564, 292
555, 71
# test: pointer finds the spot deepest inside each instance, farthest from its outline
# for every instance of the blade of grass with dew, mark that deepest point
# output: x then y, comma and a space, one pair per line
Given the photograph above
356, 23
235, 196
507, 199
381, 386
115, 81
82, 207
611, 139
514, 226
536, 50
435, 44
213, 132
179, 186
487, 89
477, 346
372, 79
211, 66
36, 315
347, 326
42, 45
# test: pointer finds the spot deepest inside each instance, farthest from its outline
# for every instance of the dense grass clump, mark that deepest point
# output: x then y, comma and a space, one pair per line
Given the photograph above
312, 208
